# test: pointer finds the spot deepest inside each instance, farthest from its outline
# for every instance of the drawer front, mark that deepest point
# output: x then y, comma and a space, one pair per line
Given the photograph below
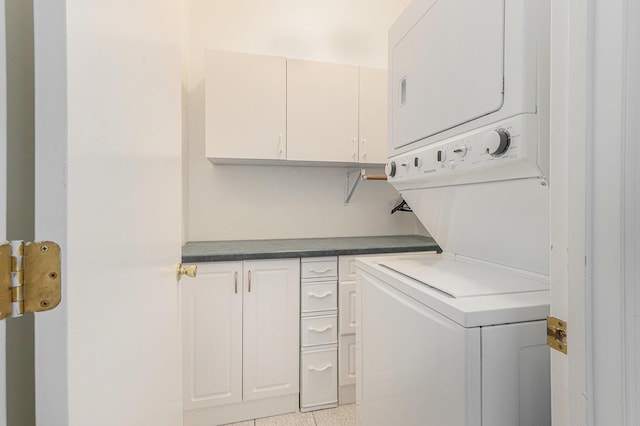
318, 377
347, 308
320, 330
347, 268
319, 269
321, 296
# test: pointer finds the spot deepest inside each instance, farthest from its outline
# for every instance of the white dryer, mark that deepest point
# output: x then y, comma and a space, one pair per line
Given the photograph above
459, 338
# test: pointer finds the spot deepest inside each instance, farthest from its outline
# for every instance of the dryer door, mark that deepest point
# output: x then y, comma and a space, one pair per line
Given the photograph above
447, 69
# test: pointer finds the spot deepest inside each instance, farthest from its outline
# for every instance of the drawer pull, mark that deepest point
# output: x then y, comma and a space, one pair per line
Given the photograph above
320, 369
320, 271
321, 330
321, 296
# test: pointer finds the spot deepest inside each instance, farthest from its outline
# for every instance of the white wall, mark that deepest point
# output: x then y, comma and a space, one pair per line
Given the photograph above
228, 202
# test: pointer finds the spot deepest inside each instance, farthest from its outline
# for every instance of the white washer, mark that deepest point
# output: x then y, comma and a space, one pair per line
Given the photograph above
467, 348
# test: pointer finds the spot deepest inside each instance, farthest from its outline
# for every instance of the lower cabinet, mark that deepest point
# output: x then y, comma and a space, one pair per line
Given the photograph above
241, 341
263, 338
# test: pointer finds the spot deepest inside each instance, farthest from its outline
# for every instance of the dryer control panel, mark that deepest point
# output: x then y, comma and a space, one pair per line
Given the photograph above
492, 153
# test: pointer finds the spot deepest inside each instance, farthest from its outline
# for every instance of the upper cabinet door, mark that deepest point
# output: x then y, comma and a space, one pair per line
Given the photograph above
322, 108
373, 115
245, 106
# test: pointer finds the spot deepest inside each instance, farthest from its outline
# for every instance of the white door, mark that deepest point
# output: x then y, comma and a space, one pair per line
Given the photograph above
108, 189
3, 200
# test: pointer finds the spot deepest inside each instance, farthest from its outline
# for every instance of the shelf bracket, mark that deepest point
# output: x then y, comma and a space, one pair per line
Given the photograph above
351, 186
352, 182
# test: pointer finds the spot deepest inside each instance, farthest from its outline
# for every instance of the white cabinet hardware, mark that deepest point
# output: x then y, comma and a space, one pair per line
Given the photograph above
312, 368
320, 330
321, 296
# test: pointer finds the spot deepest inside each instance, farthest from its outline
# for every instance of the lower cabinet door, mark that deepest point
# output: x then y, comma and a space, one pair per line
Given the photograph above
347, 307
212, 336
347, 360
319, 378
271, 328
347, 373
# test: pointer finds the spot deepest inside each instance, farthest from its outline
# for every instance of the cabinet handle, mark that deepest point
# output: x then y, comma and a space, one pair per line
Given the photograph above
280, 145
321, 330
320, 369
355, 148
320, 271
320, 296
364, 148
249, 281
236, 281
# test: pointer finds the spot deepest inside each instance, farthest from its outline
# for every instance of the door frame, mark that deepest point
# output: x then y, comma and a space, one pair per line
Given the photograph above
3, 200
50, 77
595, 225
631, 213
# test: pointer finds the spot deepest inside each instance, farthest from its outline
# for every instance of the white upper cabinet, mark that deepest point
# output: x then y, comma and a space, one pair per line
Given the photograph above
245, 106
264, 109
373, 115
322, 111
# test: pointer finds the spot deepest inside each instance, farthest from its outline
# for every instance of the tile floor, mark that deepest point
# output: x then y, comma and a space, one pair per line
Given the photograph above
343, 415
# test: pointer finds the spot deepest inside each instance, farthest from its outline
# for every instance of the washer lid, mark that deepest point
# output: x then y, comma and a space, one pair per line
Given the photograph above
463, 279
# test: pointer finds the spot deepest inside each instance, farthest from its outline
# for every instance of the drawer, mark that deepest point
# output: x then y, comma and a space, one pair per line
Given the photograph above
319, 268
321, 296
347, 308
318, 378
321, 330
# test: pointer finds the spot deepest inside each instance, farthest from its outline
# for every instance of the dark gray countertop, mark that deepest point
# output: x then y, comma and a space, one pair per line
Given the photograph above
217, 251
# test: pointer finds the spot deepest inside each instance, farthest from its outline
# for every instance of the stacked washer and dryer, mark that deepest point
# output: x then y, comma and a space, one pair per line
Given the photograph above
459, 338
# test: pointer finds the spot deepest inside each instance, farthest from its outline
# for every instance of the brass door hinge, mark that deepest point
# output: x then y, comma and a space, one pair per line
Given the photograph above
29, 277
557, 334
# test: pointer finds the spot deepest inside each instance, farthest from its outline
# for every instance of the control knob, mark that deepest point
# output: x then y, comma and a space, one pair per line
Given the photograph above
497, 142
390, 169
